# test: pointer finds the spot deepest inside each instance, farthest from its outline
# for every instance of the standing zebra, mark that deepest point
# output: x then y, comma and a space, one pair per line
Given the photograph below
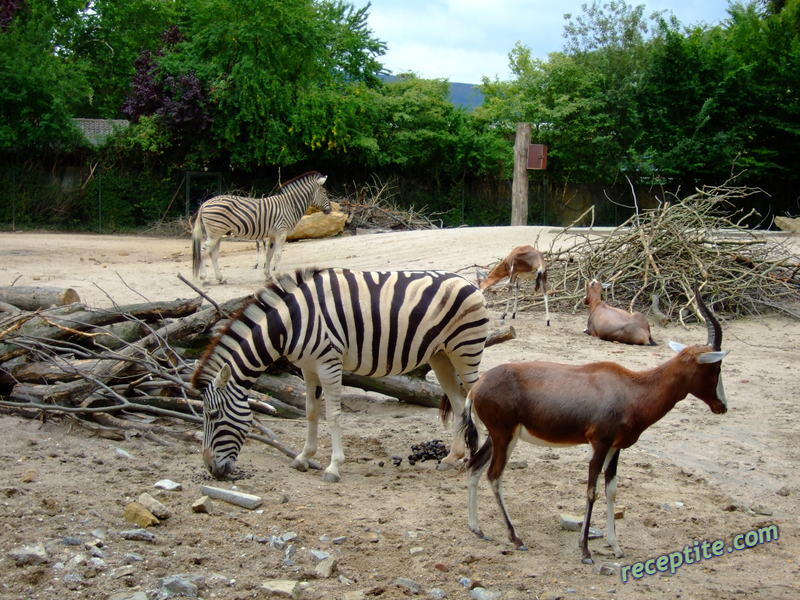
270, 219
333, 320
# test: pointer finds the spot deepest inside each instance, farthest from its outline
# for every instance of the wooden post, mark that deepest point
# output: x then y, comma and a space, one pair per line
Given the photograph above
519, 186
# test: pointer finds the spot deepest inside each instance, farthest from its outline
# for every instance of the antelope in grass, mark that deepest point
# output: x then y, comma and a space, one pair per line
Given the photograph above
614, 324
602, 404
524, 262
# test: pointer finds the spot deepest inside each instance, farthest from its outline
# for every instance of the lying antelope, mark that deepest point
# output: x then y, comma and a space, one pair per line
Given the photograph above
602, 404
524, 262
614, 324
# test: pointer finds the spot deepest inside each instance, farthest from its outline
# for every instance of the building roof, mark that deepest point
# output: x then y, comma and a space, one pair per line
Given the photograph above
96, 131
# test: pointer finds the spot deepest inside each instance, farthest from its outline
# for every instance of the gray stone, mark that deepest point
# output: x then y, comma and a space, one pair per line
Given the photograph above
276, 542
138, 535
408, 584
202, 505
29, 555
120, 453
154, 506
437, 594
128, 596
325, 568
480, 593
168, 484
570, 522
282, 588
340, 539
319, 554
181, 585
132, 557
123, 571
72, 581
248, 501
607, 568
71, 541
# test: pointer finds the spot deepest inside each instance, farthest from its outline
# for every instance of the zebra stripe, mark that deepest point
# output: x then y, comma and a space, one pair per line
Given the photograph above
270, 219
333, 320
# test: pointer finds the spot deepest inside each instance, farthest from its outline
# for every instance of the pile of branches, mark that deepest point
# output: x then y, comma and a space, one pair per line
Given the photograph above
115, 371
374, 207
653, 260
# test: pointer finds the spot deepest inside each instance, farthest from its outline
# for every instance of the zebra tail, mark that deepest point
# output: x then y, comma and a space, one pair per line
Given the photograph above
445, 408
197, 237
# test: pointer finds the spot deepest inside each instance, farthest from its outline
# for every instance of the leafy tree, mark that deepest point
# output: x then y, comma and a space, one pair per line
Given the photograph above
108, 38
39, 87
282, 76
581, 102
722, 99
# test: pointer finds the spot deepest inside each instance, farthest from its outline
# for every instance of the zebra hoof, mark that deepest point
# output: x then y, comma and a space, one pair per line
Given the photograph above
587, 560
300, 465
330, 477
445, 466
480, 534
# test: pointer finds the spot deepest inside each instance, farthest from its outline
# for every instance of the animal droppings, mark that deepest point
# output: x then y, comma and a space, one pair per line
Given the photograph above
432, 450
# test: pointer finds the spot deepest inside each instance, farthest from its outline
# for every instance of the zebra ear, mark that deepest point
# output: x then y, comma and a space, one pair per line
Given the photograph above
322, 179
223, 377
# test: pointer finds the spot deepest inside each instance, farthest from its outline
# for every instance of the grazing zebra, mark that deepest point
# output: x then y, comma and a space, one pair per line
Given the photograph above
332, 320
270, 219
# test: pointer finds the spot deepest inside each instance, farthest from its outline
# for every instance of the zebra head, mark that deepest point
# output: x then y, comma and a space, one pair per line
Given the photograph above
320, 195
226, 421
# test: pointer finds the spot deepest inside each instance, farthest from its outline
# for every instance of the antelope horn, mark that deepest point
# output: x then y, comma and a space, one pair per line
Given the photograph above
714, 328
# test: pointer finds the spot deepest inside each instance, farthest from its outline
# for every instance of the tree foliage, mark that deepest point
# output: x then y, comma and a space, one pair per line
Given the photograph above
39, 87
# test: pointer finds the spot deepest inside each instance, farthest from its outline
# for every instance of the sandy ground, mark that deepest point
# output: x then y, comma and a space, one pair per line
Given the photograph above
693, 476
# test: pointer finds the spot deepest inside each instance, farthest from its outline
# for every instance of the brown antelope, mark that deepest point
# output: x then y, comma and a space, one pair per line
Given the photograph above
602, 404
614, 324
524, 262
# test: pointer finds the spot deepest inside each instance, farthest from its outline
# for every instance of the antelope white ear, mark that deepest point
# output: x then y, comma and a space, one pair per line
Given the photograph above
222, 378
606, 285
711, 357
676, 347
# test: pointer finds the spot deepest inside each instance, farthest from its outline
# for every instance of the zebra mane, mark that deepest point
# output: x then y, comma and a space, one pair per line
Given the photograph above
269, 296
299, 177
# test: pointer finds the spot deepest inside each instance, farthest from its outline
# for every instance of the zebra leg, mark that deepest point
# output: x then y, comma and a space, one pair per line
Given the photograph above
333, 412
280, 240
313, 409
446, 374
213, 251
269, 243
259, 243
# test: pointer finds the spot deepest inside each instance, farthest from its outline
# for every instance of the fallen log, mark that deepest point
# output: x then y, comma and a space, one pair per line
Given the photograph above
34, 297
411, 388
404, 388
43, 325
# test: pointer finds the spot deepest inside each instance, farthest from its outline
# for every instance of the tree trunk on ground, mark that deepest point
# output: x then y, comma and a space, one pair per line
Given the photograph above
34, 297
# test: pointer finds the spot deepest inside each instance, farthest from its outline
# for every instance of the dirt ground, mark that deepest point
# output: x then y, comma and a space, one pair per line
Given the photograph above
693, 476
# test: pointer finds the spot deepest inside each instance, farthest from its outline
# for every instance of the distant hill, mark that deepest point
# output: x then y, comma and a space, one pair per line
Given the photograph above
467, 95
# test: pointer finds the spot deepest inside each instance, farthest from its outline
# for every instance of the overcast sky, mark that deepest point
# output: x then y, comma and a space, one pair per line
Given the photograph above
462, 40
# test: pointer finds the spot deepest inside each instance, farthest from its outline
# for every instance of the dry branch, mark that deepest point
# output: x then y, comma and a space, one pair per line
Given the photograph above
665, 251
